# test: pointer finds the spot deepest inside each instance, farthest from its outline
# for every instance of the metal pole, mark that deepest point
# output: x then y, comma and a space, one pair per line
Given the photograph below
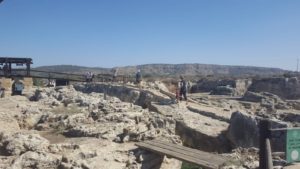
297, 64
269, 154
9, 68
105, 92
264, 133
28, 69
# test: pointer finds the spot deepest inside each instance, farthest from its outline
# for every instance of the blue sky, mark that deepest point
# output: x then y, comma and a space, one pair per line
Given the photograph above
113, 33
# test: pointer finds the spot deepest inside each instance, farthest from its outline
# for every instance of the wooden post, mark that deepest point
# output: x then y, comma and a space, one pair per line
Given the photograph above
104, 97
9, 68
264, 134
28, 68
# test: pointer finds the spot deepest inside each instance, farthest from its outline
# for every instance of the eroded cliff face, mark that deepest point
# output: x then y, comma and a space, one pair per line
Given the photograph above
286, 88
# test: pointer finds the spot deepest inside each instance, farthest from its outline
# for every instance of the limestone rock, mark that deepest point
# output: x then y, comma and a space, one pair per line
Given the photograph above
8, 123
20, 143
252, 97
82, 131
244, 132
267, 100
38, 160
223, 90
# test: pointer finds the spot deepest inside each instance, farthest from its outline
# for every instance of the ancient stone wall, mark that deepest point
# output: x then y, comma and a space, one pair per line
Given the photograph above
125, 93
286, 88
201, 141
28, 83
7, 83
240, 86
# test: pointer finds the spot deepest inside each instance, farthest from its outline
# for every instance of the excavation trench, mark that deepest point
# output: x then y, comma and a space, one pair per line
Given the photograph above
125, 93
195, 130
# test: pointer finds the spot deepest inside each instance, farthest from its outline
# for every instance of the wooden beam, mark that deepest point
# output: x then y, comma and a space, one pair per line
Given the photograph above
200, 158
193, 152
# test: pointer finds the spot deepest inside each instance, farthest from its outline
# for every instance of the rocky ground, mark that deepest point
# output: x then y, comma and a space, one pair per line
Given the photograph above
96, 125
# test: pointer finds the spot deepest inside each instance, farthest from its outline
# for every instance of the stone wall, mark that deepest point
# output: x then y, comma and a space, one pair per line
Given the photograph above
240, 86
286, 88
7, 83
125, 93
28, 83
202, 141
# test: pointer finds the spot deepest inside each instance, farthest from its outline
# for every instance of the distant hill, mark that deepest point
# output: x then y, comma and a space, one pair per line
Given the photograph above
73, 69
174, 70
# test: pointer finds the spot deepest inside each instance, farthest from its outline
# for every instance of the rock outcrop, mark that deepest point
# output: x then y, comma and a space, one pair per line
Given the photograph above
267, 100
38, 160
244, 131
20, 143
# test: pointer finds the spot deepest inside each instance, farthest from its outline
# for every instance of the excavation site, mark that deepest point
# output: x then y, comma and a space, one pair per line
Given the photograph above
73, 121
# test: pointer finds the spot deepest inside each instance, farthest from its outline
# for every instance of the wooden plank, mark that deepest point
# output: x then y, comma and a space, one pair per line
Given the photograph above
185, 148
191, 152
177, 155
203, 159
207, 163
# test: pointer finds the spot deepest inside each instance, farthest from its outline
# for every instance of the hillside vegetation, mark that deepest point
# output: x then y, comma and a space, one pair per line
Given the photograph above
173, 70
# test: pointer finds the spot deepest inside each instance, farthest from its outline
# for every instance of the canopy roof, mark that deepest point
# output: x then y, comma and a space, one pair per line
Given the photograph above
15, 60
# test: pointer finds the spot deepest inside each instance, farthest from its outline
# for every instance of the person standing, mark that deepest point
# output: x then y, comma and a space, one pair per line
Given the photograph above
183, 87
87, 77
92, 76
138, 77
115, 74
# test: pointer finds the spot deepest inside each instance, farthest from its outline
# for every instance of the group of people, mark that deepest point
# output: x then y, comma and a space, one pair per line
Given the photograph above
89, 76
181, 91
51, 83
